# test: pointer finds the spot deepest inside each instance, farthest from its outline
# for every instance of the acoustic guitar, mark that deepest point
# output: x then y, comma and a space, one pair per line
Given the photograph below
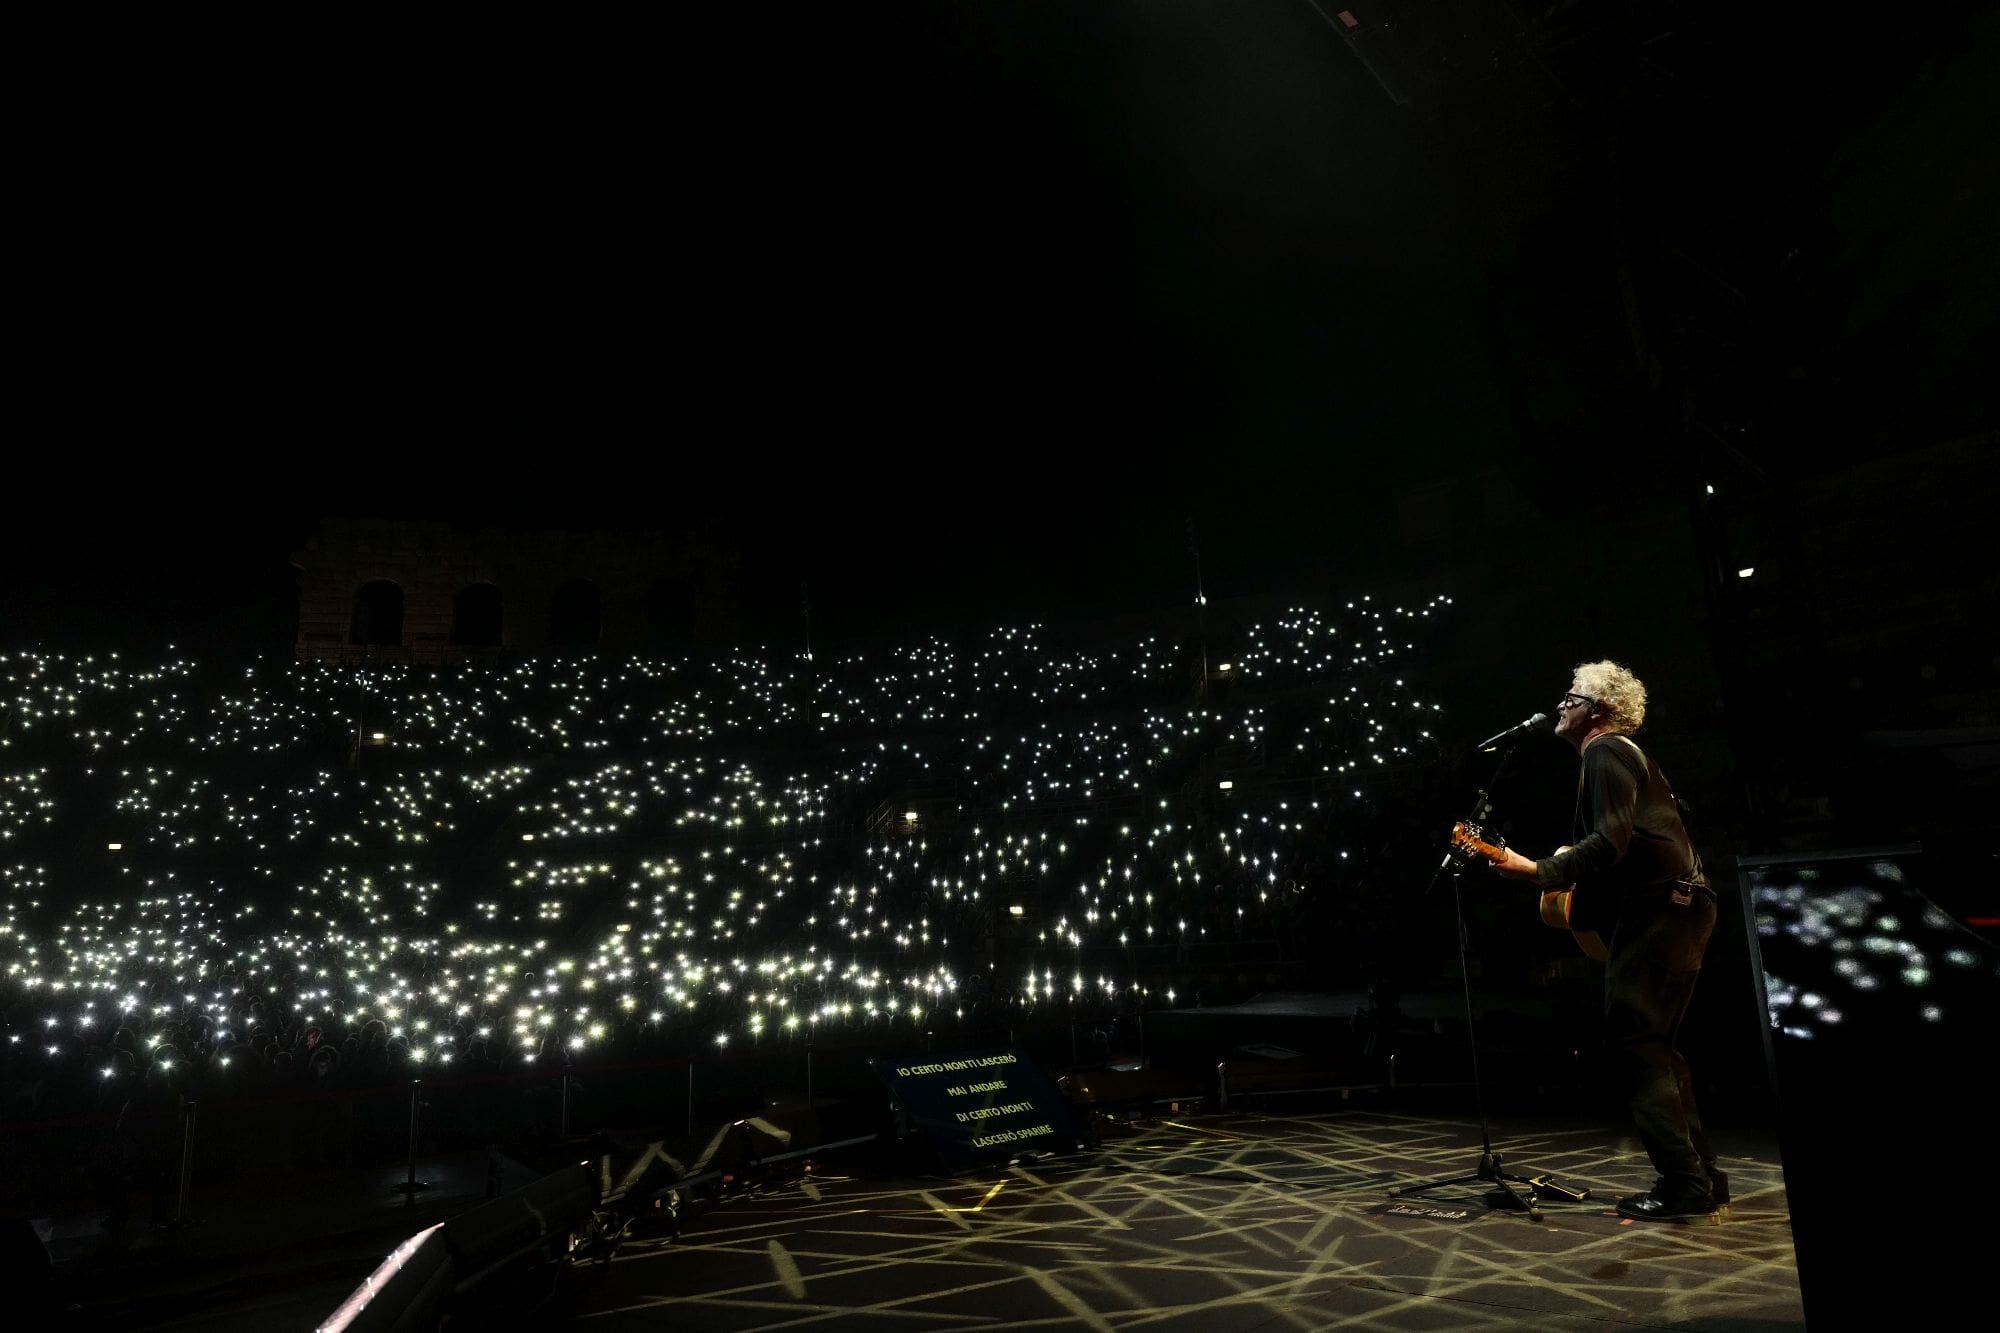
1470, 840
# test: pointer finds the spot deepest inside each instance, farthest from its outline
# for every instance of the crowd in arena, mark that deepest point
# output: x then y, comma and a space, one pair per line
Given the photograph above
297, 876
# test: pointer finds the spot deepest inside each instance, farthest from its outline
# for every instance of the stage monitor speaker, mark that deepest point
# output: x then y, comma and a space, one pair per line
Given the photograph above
1882, 1017
521, 1230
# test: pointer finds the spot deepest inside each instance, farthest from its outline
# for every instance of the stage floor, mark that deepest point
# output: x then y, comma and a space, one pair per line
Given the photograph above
1218, 1222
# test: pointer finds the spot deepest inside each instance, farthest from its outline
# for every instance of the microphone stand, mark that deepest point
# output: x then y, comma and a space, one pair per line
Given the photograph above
1490, 1169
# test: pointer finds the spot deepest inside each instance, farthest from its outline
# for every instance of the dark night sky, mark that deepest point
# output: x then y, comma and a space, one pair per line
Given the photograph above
961, 308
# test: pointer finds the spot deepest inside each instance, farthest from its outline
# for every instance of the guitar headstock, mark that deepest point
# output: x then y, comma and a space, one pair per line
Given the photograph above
1471, 840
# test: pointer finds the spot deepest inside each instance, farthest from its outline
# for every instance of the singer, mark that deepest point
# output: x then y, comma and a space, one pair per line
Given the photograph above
1638, 882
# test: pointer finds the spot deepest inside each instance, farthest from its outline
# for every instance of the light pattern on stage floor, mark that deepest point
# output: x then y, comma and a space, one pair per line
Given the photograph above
1220, 1223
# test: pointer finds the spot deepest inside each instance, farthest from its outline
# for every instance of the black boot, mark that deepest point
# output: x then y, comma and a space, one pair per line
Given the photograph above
1669, 1199
1664, 1208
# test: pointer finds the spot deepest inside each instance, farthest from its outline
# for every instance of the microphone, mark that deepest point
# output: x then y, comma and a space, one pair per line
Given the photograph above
1525, 724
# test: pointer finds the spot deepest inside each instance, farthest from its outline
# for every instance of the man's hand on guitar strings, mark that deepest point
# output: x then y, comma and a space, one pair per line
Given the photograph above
1513, 865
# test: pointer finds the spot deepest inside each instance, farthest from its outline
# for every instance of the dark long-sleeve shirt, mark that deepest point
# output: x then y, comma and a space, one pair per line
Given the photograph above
1629, 833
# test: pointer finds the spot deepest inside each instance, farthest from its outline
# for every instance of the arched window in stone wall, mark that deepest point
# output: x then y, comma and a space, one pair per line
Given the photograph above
378, 615
670, 615
575, 616
475, 616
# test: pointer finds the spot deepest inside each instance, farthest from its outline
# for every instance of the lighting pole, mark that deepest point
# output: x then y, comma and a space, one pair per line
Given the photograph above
810, 709
1200, 605
806, 614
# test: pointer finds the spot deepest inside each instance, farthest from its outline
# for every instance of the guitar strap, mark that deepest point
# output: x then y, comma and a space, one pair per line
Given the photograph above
1684, 890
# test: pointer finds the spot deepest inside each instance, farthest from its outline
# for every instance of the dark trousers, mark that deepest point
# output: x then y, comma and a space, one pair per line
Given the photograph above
1656, 951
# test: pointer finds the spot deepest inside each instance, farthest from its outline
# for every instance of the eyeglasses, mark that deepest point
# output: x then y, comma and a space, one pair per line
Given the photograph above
1575, 701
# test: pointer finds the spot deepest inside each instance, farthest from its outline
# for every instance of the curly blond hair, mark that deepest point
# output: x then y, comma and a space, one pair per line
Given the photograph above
1618, 694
